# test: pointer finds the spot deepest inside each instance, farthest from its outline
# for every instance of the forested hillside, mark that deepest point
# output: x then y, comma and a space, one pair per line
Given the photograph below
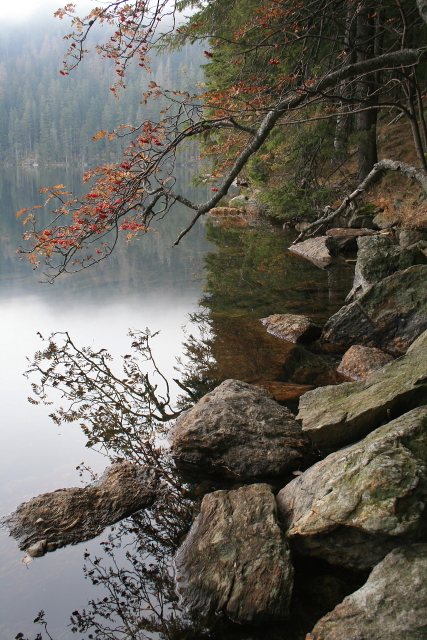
49, 118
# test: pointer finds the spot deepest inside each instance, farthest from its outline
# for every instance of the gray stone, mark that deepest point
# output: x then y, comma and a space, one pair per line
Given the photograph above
359, 362
386, 219
239, 431
69, 516
408, 237
334, 416
357, 504
291, 327
389, 315
390, 606
322, 250
378, 257
235, 560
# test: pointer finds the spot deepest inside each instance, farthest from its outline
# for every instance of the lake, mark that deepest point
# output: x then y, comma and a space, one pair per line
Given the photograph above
234, 275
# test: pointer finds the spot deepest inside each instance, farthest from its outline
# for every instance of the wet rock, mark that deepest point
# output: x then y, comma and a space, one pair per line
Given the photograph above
390, 606
389, 315
68, 516
357, 504
378, 258
239, 431
294, 328
322, 250
359, 362
347, 238
235, 560
337, 415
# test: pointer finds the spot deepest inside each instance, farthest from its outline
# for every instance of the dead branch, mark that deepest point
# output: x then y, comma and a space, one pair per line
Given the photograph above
408, 170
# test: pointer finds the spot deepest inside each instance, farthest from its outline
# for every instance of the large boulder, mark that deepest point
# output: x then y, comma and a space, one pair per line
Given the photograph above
389, 315
291, 327
69, 516
390, 606
359, 362
322, 250
357, 504
334, 416
236, 560
239, 431
378, 257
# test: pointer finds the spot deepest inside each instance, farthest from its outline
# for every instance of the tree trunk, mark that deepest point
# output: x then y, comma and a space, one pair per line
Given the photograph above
366, 119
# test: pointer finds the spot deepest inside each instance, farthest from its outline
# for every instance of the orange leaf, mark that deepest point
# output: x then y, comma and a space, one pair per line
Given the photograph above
18, 213
100, 134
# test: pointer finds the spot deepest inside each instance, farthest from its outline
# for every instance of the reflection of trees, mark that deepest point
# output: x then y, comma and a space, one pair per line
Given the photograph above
125, 414
252, 275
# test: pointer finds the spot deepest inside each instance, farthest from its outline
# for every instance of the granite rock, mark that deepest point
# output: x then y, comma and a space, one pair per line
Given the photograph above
334, 416
359, 362
389, 315
239, 431
291, 327
390, 606
359, 503
235, 559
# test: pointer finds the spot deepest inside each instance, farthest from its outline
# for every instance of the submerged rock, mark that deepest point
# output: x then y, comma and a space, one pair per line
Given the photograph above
235, 560
294, 328
379, 257
337, 415
390, 606
389, 315
359, 362
239, 431
357, 504
69, 516
322, 250
284, 392
303, 367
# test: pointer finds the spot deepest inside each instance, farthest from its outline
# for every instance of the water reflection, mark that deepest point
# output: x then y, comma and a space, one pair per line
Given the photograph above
250, 275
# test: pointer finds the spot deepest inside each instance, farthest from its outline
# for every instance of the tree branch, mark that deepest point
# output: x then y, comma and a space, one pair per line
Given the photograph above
408, 170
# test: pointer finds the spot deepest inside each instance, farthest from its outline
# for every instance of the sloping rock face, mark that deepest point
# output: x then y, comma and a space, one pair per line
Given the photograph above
357, 504
68, 516
322, 250
389, 315
378, 257
239, 431
347, 238
390, 606
294, 328
337, 415
235, 560
359, 362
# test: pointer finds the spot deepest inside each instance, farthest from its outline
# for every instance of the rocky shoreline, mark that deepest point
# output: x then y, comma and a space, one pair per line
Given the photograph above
342, 481
362, 505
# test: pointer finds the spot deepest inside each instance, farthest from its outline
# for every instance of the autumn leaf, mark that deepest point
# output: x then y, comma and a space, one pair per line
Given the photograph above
100, 134
18, 213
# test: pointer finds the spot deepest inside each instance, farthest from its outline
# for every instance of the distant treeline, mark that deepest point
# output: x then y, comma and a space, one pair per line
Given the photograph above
49, 118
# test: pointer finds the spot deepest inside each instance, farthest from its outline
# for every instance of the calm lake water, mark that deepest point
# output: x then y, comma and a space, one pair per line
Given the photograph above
237, 279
